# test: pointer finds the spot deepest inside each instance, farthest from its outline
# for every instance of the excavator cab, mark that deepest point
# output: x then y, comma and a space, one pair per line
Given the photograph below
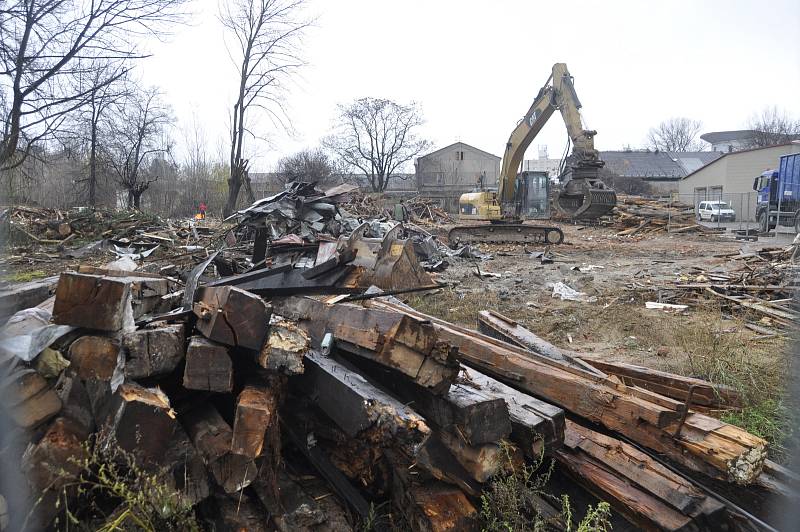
533, 195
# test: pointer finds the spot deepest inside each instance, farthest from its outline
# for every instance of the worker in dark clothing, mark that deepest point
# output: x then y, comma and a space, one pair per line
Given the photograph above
202, 210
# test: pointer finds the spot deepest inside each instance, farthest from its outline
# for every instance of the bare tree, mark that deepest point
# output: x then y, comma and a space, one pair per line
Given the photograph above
675, 134
377, 137
266, 40
101, 97
137, 136
307, 165
771, 127
48, 46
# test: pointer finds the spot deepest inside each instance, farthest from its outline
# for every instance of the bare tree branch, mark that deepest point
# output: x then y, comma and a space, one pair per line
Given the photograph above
675, 134
48, 49
267, 35
377, 137
137, 135
771, 127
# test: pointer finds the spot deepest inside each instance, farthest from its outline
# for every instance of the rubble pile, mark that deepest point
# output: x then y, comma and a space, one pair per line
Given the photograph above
423, 210
281, 369
761, 283
222, 388
365, 206
638, 217
35, 225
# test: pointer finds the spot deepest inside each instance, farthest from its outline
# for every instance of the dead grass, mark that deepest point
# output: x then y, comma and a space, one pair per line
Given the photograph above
699, 343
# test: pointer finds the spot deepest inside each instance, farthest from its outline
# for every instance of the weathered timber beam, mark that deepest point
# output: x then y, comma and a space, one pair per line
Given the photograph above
358, 407
536, 425
498, 326
671, 385
256, 411
212, 437
304, 440
642, 471
400, 342
663, 383
208, 366
285, 348
232, 316
153, 352
477, 416
699, 442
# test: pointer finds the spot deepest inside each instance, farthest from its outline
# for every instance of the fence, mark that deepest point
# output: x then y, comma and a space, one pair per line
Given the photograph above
738, 210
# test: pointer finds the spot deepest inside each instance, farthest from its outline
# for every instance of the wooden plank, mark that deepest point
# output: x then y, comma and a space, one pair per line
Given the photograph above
153, 352
358, 407
212, 437
406, 344
231, 316
475, 415
208, 366
703, 443
256, 411
536, 425
95, 357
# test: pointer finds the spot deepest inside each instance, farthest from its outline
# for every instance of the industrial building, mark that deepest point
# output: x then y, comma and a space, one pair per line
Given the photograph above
730, 177
447, 173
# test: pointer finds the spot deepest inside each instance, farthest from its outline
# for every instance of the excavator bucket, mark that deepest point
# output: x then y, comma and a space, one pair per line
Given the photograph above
585, 200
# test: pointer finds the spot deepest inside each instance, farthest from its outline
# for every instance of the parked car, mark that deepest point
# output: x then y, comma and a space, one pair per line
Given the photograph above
715, 211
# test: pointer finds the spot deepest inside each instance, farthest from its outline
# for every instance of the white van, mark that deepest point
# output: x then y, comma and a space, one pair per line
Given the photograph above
715, 211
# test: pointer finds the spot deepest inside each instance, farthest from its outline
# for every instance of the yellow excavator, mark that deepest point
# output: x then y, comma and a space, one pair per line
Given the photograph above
584, 195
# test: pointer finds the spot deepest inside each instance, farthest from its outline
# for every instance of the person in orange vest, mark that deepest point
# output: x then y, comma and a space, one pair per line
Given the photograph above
202, 210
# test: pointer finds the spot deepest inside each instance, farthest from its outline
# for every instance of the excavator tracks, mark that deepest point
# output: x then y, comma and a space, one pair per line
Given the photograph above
505, 233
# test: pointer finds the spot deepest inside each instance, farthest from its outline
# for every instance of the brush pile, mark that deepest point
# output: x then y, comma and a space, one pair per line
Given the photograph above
638, 217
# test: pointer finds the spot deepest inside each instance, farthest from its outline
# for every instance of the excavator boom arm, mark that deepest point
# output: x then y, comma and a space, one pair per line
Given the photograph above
559, 94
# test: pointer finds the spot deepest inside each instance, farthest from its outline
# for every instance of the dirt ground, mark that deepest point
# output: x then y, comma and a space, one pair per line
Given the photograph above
619, 275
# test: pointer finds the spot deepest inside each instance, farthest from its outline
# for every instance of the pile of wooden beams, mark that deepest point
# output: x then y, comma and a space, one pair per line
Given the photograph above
233, 393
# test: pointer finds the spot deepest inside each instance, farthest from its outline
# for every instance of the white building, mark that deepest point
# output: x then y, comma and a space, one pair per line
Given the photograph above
728, 141
730, 178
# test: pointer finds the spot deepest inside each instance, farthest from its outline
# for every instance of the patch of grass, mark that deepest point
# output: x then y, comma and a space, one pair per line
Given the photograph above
24, 277
699, 343
512, 502
107, 490
768, 419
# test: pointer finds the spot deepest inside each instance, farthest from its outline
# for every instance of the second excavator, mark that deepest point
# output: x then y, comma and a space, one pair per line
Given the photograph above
584, 195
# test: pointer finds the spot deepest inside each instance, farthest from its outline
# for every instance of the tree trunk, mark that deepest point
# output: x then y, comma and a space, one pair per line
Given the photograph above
137, 200
93, 167
234, 185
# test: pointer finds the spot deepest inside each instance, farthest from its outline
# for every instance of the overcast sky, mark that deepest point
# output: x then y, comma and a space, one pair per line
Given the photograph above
475, 67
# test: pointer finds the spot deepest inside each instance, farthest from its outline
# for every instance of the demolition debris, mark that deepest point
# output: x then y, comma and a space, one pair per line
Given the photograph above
282, 360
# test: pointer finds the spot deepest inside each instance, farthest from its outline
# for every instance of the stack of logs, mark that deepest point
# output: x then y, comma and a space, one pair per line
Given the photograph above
385, 403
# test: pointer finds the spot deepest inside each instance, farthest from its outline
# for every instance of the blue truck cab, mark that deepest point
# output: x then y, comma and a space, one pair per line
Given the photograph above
778, 200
